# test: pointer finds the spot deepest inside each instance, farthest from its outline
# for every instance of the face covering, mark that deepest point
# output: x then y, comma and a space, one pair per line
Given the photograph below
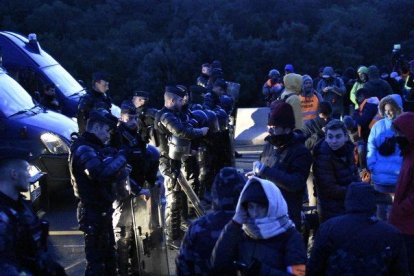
279, 140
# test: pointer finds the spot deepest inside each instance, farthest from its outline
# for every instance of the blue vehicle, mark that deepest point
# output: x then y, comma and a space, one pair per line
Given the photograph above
32, 67
47, 134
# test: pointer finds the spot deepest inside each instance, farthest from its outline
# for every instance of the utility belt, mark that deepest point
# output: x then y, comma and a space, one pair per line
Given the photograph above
102, 211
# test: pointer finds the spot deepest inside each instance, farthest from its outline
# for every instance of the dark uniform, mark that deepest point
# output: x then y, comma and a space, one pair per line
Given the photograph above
93, 175
23, 236
92, 100
168, 124
23, 240
146, 117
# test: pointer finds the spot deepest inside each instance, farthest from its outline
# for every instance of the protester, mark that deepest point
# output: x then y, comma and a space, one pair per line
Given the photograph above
402, 213
384, 156
334, 169
260, 239
359, 83
332, 90
357, 243
293, 87
285, 160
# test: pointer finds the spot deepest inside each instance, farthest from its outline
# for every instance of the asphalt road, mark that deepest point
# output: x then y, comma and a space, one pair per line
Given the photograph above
67, 243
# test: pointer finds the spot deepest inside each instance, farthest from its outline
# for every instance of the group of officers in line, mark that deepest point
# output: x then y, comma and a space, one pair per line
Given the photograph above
110, 154
113, 160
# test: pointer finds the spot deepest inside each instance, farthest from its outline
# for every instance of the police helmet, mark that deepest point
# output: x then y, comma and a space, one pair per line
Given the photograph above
213, 123
200, 117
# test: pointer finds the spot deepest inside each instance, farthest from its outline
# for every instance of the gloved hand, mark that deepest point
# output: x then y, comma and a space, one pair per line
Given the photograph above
258, 168
241, 215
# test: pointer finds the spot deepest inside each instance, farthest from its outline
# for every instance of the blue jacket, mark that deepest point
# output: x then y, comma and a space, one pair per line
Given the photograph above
385, 169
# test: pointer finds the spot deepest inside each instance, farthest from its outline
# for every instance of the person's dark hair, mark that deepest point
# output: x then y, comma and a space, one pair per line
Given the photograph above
335, 124
325, 108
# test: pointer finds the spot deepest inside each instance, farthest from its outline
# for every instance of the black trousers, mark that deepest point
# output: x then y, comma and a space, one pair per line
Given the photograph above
99, 240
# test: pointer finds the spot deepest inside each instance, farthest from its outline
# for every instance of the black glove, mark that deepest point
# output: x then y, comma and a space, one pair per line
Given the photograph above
388, 147
135, 187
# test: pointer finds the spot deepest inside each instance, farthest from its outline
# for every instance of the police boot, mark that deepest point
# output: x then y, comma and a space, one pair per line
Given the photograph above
123, 256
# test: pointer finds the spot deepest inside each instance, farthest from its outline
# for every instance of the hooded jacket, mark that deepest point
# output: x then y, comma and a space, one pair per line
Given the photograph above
293, 86
357, 85
384, 169
202, 234
402, 213
378, 87
335, 95
271, 256
337, 248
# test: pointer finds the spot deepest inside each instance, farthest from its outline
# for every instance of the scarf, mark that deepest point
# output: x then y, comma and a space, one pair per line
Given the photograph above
266, 227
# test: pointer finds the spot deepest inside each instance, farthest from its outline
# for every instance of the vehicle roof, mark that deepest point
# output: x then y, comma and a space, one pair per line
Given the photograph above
42, 58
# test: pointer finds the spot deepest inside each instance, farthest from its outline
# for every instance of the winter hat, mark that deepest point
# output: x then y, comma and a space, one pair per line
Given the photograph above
306, 78
328, 72
360, 198
226, 188
254, 193
293, 82
373, 72
349, 122
273, 73
325, 108
281, 115
289, 68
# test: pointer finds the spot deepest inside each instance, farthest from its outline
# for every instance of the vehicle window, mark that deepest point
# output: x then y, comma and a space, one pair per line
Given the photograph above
28, 78
62, 79
13, 97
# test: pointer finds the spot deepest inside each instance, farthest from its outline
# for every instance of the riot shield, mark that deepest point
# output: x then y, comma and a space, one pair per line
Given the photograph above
191, 195
151, 250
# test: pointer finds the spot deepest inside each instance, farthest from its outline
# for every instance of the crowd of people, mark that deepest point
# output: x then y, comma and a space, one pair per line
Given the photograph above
341, 146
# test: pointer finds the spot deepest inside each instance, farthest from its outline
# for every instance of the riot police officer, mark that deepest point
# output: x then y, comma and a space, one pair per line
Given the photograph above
174, 140
146, 115
129, 142
94, 172
97, 98
23, 236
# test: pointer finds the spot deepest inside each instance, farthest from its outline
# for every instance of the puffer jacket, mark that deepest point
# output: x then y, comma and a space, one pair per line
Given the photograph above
384, 169
333, 172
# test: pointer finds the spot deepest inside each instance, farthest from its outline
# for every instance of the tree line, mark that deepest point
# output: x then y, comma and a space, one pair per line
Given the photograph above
148, 44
